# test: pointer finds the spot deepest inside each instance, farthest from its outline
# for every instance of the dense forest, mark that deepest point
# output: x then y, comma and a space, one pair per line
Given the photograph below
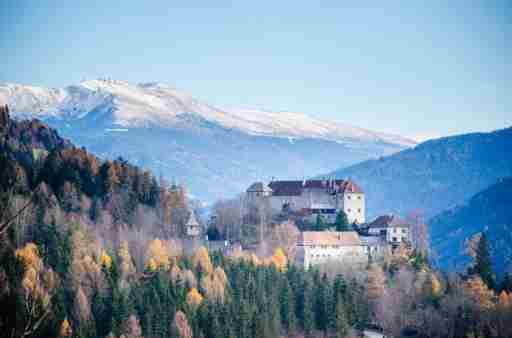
87, 252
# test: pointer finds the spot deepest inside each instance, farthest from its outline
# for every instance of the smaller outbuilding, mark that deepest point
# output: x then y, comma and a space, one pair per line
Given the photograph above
391, 227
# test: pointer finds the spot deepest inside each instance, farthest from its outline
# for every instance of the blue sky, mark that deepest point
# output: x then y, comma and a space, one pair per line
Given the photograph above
413, 68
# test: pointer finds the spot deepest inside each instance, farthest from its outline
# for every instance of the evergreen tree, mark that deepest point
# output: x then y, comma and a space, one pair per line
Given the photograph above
483, 263
306, 307
341, 325
287, 300
506, 283
341, 222
319, 224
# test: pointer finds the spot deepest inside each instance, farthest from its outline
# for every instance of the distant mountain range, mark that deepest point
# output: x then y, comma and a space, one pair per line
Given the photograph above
435, 175
489, 211
216, 152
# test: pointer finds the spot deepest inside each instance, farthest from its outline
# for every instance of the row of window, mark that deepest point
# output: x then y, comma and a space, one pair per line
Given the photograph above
350, 210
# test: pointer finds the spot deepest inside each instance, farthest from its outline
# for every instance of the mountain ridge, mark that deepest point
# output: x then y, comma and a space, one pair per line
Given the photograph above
216, 153
487, 211
434, 175
157, 103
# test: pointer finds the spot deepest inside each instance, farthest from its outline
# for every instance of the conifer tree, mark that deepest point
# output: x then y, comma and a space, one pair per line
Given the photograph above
341, 222
287, 300
306, 307
341, 325
506, 283
483, 263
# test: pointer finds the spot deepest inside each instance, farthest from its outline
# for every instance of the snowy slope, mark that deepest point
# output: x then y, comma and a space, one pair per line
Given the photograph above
156, 104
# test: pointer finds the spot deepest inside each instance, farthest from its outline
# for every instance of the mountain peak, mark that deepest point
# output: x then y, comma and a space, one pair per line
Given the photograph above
158, 104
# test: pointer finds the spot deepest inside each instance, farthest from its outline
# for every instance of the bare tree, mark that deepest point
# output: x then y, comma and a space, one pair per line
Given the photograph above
419, 233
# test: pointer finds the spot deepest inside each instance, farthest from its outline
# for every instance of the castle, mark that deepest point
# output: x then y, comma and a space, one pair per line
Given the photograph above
316, 197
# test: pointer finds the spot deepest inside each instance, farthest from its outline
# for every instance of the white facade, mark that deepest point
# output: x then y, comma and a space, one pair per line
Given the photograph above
390, 227
354, 207
305, 195
193, 227
397, 234
316, 248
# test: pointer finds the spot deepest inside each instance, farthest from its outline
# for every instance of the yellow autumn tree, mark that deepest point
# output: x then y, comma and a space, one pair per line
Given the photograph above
157, 255
86, 272
29, 256
194, 298
436, 285
126, 263
214, 285
201, 260
38, 285
65, 328
279, 259
105, 260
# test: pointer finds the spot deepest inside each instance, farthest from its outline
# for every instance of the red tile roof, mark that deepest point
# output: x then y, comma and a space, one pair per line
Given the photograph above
294, 188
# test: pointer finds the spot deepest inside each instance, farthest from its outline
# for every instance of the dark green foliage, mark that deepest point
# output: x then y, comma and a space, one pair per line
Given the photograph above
341, 325
320, 224
341, 222
488, 211
506, 283
483, 263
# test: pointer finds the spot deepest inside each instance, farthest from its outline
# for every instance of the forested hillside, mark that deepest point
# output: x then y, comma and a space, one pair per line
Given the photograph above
435, 175
88, 251
490, 212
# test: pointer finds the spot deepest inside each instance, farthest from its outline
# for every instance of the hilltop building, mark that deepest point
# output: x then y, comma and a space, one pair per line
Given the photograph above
193, 228
394, 229
314, 197
320, 247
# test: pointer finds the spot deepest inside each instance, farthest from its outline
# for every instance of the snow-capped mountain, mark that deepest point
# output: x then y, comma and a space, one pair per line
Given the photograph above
171, 131
137, 105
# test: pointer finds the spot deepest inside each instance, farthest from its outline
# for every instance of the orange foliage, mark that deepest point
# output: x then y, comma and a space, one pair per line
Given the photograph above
201, 259
105, 259
505, 299
279, 259
194, 298
157, 255
126, 264
65, 329
214, 285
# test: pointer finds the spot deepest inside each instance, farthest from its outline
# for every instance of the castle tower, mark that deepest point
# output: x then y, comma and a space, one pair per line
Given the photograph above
192, 226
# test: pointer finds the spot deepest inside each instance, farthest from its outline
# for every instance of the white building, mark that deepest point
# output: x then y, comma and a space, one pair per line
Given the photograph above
375, 247
192, 226
305, 196
320, 247
391, 227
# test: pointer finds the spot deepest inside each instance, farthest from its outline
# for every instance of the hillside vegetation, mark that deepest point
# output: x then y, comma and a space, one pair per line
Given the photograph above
435, 175
489, 211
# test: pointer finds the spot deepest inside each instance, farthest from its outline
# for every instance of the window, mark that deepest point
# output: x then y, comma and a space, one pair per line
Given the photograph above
358, 197
404, 230
348, 210
394, 239
349, 197
359, 210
